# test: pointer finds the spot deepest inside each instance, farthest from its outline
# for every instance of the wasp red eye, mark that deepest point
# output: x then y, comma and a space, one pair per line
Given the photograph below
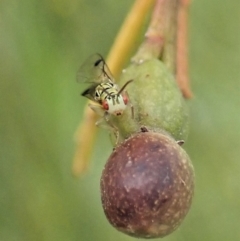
125, 99
105, 105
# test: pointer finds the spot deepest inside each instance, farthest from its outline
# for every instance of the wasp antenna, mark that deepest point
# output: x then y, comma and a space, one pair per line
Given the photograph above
124, 86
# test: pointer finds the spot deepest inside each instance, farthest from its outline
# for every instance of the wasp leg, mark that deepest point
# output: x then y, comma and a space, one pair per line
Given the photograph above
112, 128
105, 123
98, 109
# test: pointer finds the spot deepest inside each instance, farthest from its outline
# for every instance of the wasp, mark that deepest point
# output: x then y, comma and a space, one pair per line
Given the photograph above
110, 99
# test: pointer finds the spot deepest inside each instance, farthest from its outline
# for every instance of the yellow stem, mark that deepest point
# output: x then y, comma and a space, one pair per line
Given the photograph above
128, 35
124, 42
85, 137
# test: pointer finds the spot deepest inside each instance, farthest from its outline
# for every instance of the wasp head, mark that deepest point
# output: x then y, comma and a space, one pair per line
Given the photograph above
115, 104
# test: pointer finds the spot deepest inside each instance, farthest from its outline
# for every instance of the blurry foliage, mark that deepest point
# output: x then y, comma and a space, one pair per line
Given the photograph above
42, 43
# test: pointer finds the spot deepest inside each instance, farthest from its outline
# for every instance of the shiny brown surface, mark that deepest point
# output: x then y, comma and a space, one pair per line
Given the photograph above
147, 185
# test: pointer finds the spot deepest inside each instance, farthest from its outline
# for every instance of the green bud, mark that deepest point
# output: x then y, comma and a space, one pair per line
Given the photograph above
157, 101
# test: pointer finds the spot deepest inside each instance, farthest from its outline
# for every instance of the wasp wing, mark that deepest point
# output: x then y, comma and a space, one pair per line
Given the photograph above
90, 92
94, 70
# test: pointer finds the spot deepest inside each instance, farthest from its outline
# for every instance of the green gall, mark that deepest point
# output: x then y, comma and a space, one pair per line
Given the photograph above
156, 99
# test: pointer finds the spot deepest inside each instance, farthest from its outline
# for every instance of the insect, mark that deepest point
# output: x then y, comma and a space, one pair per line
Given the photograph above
110, 99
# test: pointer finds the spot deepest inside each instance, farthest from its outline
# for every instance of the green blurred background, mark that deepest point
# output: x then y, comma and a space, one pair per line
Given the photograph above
42, 44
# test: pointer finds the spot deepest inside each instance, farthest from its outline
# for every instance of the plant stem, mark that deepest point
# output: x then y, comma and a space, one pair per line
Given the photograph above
182, 53
166, 39
128, 35
160, 38
170, 46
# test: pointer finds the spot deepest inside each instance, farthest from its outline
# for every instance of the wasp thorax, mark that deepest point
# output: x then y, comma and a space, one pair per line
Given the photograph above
147, 185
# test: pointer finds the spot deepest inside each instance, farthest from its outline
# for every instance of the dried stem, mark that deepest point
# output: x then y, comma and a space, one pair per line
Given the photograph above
161, 34
182, 53
85, 137
170, 47
122, 46
166, 38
